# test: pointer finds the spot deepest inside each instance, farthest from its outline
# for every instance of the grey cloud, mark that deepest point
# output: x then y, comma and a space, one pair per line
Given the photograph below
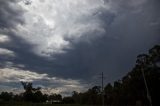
129, 34
103, 53
129, 29
10, 14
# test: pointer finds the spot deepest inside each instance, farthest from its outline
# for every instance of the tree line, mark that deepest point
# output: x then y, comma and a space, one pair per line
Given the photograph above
31, 94
130, 90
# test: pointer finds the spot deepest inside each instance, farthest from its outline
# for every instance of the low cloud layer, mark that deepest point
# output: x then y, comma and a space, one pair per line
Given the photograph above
48, 84
68, 43
16, 75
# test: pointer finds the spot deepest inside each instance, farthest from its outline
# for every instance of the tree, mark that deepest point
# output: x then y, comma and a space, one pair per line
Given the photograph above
55, 98
76, 97
108, 92
5, 96
68, 100
31, 94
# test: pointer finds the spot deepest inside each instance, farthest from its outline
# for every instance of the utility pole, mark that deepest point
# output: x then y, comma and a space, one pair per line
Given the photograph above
102, 91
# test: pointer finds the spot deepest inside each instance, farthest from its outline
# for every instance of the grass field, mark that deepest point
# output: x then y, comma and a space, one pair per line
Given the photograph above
40, 104
36, 104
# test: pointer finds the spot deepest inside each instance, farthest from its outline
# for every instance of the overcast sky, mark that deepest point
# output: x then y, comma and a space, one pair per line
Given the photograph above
64, 45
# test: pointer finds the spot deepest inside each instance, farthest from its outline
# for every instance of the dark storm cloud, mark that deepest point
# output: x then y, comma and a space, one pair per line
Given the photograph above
130, 30
133, 30
11, 15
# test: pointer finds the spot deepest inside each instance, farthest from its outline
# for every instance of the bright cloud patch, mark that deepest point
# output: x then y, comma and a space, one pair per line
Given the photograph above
50, 22
15, 75
6, 53
4, 38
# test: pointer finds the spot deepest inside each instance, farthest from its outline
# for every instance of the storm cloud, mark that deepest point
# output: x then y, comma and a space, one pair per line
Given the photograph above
75, 40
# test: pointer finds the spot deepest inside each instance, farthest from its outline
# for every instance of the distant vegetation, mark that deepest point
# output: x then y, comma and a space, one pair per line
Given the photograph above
129, 90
